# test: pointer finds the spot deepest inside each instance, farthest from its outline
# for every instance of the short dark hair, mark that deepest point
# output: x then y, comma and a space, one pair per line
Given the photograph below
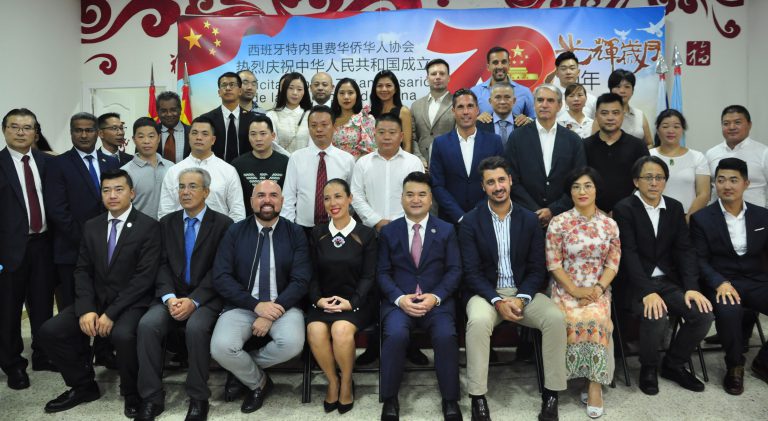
165, 96
418, 177
462, 92
229, 74
566, 55
736, 109
102, 120
117, 173
282, 91
145, 122
390, 117
203, 119
608, 98
262, 118
320, 109
82, 116
733, 164
437, 61
376, 104
343, 183
637, 167
671, 112
580, 172
620, 75
573, 87
496, 49
492, 163
336, 107
21, 112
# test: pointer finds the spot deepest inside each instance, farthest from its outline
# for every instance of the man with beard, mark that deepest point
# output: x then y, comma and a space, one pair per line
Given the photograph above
321, 87
262, 270
112, 135
173, 145
249, 92
497, 60
505, 276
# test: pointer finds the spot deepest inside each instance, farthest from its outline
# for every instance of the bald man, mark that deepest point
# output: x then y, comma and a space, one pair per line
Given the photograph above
321, 88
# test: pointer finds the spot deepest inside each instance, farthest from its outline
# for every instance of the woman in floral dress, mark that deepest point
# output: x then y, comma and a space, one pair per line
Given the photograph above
353, 124
583, 252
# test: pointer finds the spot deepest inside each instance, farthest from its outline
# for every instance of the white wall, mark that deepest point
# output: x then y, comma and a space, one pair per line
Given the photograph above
757, 68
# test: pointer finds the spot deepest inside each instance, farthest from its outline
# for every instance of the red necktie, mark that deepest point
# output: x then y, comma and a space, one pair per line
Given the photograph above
169, 149
321, 216
35, 215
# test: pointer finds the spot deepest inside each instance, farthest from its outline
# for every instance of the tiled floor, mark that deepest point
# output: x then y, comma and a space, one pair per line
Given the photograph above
513, 396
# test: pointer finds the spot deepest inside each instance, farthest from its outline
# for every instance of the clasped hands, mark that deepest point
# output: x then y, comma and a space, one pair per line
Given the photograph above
417, 305
510, 308
92, 324
333, 304
267, 312
586, 295
180, 308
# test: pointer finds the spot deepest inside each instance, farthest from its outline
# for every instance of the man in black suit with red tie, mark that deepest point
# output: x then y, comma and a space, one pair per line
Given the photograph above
230, 122
184, 297
174, 135
116, 269
25, 246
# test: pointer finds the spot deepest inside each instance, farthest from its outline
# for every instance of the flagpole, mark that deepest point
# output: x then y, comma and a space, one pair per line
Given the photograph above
676, 100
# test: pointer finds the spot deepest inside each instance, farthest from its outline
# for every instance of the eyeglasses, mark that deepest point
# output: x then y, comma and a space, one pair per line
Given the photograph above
114, 128
23, 129
585, 187
79, 131
230, 85
190, 187
656, 178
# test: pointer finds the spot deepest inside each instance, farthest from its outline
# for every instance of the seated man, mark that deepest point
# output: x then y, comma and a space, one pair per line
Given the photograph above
731, 239
419, 269
190, 238
502, 251
262, 271
113, 287
661, 268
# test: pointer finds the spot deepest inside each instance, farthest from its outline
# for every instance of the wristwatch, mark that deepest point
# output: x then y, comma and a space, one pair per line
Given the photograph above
525, 300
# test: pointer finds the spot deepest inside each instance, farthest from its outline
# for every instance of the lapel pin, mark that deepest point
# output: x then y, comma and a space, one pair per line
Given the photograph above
433, 230
129, 225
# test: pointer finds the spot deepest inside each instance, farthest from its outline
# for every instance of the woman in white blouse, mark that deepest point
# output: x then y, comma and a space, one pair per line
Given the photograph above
574, 117
289, 117
689, 178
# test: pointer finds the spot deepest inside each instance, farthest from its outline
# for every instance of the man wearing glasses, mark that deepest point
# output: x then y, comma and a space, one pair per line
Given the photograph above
230, 121
112, 135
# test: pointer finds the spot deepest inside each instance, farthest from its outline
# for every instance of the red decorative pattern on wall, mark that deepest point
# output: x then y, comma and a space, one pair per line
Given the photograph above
108, 65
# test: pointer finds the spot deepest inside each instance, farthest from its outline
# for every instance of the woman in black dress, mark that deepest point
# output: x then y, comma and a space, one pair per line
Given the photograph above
344, 259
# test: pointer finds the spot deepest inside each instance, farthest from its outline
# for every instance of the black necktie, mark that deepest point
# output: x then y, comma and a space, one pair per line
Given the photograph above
264, 254
230, 148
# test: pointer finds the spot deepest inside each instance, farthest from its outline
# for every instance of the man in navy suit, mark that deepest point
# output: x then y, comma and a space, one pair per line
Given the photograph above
112, 135
542, 155
502, 251
502, 121
25, 246
174, 135
230, 122
455, 155
731, 239
419, 269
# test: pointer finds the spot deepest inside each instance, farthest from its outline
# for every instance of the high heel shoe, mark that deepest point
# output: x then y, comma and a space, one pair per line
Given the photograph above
331, 406
344, 408
595, 411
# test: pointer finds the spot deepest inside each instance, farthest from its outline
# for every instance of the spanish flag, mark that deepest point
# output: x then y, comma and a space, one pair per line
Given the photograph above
186, 103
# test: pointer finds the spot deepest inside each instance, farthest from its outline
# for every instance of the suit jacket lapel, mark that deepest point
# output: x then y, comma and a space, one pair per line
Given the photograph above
445, 104
486, 227
403, 238
9, 168
80, 167
751, 225
205, 230
535, 147
429, 235
722, 227
125, 233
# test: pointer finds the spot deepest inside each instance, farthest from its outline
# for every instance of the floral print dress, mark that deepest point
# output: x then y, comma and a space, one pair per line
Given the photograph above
583, 248
356, 136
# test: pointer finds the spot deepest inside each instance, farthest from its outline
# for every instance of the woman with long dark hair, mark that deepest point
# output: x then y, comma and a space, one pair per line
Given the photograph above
385, 99
289, 117
354, 125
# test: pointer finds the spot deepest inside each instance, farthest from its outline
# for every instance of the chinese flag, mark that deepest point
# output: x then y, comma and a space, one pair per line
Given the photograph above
186, 105
152, 107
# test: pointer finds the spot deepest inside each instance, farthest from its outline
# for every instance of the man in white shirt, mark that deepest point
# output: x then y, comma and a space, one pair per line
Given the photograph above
310, 168
321, 87
226, 193
567, 72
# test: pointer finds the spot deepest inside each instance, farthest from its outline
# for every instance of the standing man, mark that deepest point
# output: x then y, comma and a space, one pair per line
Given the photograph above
419, 269
542, 156
118, 262
455, 156
26, 246
611, 152
184, 297
660, 264
310, 168
321, 87
502, 250
147, 168
498, 66
502, 122
431, 115
112, 135
226, 193
262, 271
230, 122
249, 93
567, 72
174, 135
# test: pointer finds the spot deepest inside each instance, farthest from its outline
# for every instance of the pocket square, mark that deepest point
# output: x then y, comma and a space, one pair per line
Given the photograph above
760, 229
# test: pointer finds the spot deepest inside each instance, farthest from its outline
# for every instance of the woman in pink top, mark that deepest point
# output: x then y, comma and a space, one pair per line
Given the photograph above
353, 124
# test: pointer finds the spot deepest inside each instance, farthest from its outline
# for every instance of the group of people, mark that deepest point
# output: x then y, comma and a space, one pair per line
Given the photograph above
495, 204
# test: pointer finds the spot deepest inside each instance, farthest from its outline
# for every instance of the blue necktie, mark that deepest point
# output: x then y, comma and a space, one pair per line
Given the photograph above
92, 170
503, 130
189, 245
112, 241
263, 253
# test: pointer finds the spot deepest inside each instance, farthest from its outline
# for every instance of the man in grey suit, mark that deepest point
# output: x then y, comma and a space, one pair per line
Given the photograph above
432, 114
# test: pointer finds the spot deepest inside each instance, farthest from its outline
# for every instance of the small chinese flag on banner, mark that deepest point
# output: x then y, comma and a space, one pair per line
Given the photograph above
152, 108
186, 103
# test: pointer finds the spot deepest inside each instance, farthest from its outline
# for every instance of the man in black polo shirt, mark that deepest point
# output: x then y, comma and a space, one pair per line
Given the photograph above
612, 152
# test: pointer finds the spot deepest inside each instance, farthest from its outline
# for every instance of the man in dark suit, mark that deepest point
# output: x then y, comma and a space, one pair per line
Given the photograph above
118, 262
660, 266
112, 135
174, 135
190, 238
260, 300
25, 246
455, 156
230, 122
431, 115
542, 155
419, 269
502, 251
502, 122
731, 239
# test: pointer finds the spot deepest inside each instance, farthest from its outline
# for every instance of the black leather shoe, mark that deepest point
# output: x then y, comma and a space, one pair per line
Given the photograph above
480, 410
346, 407
649, 381
451, 410
548, 409
415, 356
255, 399
131, 406
73, 397
368, 356
198, 410
18, 379
44, 365
149, 410
391, 410
733, 383
682, 377
233, 388
107, 360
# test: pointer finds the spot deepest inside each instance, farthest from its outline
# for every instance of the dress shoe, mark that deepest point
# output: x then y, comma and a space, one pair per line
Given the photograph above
548, 409
595, 412
255, 399
733, 383
131, 406
480, 410
451, 410
73, 397
198, 410
391, 410
17, 378
682, 377
417, 357
233, 388
44, 365
346, 407
649, 381
107, 360
149, 410
368, 356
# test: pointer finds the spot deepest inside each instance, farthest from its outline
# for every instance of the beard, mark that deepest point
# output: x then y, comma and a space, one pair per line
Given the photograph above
267, 215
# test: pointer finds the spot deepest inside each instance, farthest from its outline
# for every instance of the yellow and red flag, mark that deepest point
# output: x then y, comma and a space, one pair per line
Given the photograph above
186, 103
152, 108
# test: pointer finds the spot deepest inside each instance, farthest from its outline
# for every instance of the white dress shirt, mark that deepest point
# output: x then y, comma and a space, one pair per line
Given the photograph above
433, 105
755, 154
737, 228
653, 214
377, 185
179, 139
272, 270
120, 225
95, 161
301, 180
547, 139
226, 194
16, 158
236, 112
291, 128
467, 146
